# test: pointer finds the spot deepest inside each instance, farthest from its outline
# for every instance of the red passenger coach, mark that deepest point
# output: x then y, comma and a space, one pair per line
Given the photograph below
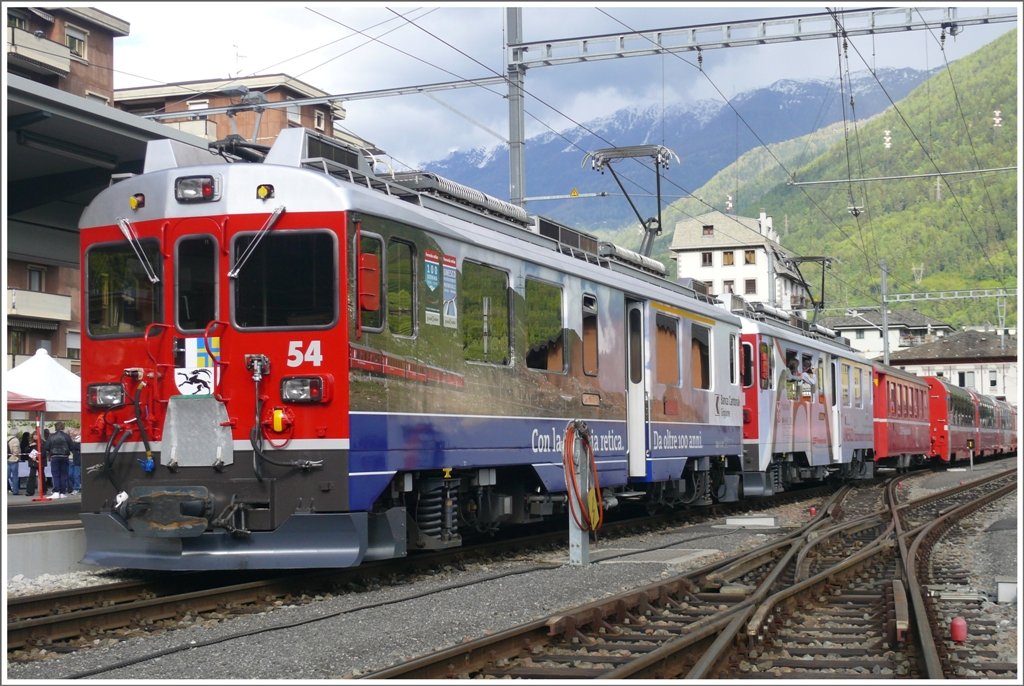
1006, 428
953, 415
901, 418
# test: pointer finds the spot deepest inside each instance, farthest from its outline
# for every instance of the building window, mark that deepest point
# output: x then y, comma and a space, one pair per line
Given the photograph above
75, 39
750, 287
16, 341
705, 259
965, 379
36, 279
198, 105
748, 257
728, 258
708, 230
993, 378
294, 114
17, 20
860, 334
74, 345
319, 120
728, 286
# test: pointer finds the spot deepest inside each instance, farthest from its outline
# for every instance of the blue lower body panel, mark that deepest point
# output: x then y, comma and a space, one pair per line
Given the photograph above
383, 444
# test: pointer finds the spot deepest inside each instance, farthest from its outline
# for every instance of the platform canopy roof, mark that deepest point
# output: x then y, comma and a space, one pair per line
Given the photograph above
42, 377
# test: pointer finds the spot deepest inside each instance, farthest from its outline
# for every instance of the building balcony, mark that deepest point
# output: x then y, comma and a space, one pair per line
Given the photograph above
37, 54
50, 306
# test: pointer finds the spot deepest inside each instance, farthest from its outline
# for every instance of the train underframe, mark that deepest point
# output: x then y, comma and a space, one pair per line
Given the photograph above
189, 527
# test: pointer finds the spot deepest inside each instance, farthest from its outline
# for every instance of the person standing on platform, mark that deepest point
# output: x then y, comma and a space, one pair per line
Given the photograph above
47, 480
30, 455
13, 460
58, 450
75, 471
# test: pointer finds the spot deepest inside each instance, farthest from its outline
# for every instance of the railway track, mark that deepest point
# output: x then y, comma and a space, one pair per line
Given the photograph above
791, 608
70, 619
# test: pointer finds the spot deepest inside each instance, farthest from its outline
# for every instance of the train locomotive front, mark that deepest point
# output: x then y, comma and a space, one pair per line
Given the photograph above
213, 440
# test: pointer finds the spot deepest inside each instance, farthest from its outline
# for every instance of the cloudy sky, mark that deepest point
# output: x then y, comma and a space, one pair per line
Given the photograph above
353, 47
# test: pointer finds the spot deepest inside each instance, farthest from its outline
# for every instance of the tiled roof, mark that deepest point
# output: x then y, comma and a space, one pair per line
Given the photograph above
962, 345
731, 230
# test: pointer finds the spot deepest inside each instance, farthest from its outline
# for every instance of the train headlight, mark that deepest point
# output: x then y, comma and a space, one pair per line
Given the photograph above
196, 189
103, 396
305, 389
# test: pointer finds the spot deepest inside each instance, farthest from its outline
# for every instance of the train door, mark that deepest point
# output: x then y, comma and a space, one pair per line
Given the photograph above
636, 390
840, 388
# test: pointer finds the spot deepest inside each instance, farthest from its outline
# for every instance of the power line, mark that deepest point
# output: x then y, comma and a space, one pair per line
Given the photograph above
902, 176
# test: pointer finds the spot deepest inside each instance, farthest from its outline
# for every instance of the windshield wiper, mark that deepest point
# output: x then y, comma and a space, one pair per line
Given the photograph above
247, 253
133, 240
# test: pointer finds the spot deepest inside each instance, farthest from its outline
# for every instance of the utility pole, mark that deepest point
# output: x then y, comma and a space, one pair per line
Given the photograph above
516, 108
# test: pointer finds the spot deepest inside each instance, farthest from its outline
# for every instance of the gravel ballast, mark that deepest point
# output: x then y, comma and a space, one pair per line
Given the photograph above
330, 638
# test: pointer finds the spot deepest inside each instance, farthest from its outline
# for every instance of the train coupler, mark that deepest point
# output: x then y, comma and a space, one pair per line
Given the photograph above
167, 512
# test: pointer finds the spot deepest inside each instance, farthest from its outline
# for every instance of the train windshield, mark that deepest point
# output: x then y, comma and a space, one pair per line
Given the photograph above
290, 280
122, 300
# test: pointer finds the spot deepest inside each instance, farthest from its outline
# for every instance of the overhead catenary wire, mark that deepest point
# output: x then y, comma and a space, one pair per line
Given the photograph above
963, 119
931, 160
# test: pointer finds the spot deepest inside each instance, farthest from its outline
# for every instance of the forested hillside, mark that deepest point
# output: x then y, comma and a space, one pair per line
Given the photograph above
956, 231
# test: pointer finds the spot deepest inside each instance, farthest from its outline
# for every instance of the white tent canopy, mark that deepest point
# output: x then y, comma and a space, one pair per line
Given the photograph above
40, 376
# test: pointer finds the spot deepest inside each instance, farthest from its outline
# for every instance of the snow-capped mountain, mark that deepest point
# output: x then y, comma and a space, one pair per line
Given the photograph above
706, 135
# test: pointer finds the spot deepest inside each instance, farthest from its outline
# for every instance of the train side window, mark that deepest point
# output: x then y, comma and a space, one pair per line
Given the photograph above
733, 352
792, 375
858, 387
121, 298
368, 280
892, 399
700, 356
545, 330
636, 347
747, 365
196, 282
289, 280
765, 354
666, 350
401, 281
485, 314
845, 379
589, 335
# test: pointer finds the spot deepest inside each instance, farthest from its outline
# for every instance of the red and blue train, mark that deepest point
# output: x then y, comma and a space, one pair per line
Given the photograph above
295, 362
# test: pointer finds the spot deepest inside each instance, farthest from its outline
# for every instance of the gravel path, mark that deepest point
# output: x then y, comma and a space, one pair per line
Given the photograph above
333, 638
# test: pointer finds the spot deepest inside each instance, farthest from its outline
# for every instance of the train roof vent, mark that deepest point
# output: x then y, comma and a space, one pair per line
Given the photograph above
622, 255
297, 147
432, 184
570, 241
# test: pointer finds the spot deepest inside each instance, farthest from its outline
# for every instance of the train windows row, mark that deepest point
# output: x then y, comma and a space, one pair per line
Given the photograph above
905, 401
484, 316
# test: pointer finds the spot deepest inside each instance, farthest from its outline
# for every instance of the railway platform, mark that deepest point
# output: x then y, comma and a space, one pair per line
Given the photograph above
43, 536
